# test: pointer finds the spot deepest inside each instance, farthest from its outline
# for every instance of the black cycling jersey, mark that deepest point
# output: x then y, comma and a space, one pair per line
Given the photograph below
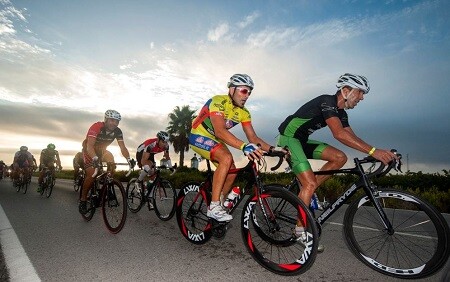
311, 117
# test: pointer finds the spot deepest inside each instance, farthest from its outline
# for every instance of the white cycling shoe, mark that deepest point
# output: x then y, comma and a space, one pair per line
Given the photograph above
300, 233
218, 213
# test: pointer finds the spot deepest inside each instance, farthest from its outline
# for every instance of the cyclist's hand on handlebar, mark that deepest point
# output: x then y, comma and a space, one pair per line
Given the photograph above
252, 152
384, 156
131, 163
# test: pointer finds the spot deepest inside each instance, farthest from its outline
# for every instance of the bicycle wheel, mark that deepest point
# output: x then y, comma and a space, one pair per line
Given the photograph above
90, 205
77, 182
268, 231
25, 184
50, 184
114, 206
192, 205
134, 196
419, 245
164, 196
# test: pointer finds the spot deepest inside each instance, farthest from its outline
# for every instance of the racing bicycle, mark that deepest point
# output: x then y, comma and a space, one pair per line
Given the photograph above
268, 220
48, 182
157, 192
109, 194
393, 232
23, 180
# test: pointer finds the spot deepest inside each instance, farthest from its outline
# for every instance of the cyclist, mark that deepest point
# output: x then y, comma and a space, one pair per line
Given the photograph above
47, 159
78, 164
2, 168
99, 136
210, 134
322, 111
145, 155
22, 159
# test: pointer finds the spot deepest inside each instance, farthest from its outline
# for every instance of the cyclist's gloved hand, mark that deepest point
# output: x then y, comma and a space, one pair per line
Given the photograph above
131, 163
251, 151
95, 161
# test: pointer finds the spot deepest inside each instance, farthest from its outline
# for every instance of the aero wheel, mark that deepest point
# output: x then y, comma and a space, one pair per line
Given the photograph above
268, 225
417, 247
134, 196
192, 205
164, 196
114, 206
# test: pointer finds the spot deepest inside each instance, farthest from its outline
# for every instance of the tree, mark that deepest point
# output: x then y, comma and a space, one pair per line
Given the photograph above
179, 129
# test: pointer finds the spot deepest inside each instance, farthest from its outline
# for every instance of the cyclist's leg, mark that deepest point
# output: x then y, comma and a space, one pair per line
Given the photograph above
335, 159
109, 159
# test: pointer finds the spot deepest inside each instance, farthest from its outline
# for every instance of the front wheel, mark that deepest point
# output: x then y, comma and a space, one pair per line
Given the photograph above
91, 200
417, 247
114, 206
268, 230
164, 196
192, 205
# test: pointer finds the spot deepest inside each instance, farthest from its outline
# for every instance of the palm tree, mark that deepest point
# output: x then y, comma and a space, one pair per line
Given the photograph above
179, 128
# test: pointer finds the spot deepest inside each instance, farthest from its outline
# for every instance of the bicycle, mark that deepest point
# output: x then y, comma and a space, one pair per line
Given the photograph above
48, 181
391, 231
109, 194
268, 220
78, 181
159, 195
23, 181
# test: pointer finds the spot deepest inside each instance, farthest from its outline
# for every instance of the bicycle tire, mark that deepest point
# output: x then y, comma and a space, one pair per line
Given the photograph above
18, 185
191, 208
135, 198
24, 185
164, 197
273, 244
114, 206
419, 246
50, 185
90, 205
77, 183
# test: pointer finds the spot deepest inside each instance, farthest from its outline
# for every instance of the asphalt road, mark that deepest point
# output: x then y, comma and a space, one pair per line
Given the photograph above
61, 246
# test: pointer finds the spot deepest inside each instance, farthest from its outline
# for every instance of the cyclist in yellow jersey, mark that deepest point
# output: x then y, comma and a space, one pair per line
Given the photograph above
210, 134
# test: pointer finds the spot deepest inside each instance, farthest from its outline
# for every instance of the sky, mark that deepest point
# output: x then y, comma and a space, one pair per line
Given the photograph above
64, 63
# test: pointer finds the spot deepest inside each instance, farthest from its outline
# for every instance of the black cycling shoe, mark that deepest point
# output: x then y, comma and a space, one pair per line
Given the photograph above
82, 207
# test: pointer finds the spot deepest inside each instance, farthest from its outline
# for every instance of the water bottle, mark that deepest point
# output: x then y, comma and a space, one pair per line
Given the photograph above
314, 202
232, 196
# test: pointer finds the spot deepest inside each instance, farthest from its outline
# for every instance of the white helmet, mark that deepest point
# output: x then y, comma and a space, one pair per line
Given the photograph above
353, 81
113, 114
241, 80
163, 136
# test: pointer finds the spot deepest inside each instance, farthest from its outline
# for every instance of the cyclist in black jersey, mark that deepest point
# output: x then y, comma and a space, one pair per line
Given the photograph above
322, 111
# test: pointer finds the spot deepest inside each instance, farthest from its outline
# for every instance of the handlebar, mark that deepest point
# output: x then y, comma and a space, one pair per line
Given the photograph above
382, 169
279, 154
100, 165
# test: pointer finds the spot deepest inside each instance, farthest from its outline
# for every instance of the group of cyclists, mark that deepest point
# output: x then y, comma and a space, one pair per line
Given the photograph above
211, 138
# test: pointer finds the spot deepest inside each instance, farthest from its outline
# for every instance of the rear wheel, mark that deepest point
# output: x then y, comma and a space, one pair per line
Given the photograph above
191, 207
418, 246
50, 184
164, 196
268, 225
114, 206
25, 184
134, 196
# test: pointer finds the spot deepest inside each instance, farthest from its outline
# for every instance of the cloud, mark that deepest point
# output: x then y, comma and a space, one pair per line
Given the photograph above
249, 20
218, 33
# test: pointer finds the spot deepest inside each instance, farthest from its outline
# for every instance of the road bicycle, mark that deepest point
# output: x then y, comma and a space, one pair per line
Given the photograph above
393, 232
48, 182
157, 192
23, 180
78, 181
268, 220
109, 194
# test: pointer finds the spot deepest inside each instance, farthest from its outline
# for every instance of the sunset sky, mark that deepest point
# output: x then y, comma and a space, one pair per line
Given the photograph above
64, 63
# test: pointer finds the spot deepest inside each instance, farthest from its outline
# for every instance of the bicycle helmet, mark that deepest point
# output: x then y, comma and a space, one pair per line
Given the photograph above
163, 136
51, 146
24, 148
353, 81
241, 80
113, 114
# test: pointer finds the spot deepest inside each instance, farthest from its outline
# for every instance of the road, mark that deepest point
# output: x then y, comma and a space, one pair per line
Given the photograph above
61, 246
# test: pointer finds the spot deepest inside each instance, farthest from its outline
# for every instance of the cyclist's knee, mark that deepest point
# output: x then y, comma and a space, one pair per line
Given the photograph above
340, 159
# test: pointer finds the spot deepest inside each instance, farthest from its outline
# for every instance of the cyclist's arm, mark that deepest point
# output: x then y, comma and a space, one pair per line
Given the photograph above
90, 146
346, 136
58, 160
123, 149
223, 134
253, 138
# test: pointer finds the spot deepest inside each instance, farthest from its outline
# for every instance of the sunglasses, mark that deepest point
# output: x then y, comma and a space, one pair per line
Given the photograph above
244, 91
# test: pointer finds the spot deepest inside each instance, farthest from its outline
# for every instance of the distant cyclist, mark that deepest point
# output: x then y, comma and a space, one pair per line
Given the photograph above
145, 154
322, 111
47, 159
23, 159
99, 136
2, 168
78, 164
210, 136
